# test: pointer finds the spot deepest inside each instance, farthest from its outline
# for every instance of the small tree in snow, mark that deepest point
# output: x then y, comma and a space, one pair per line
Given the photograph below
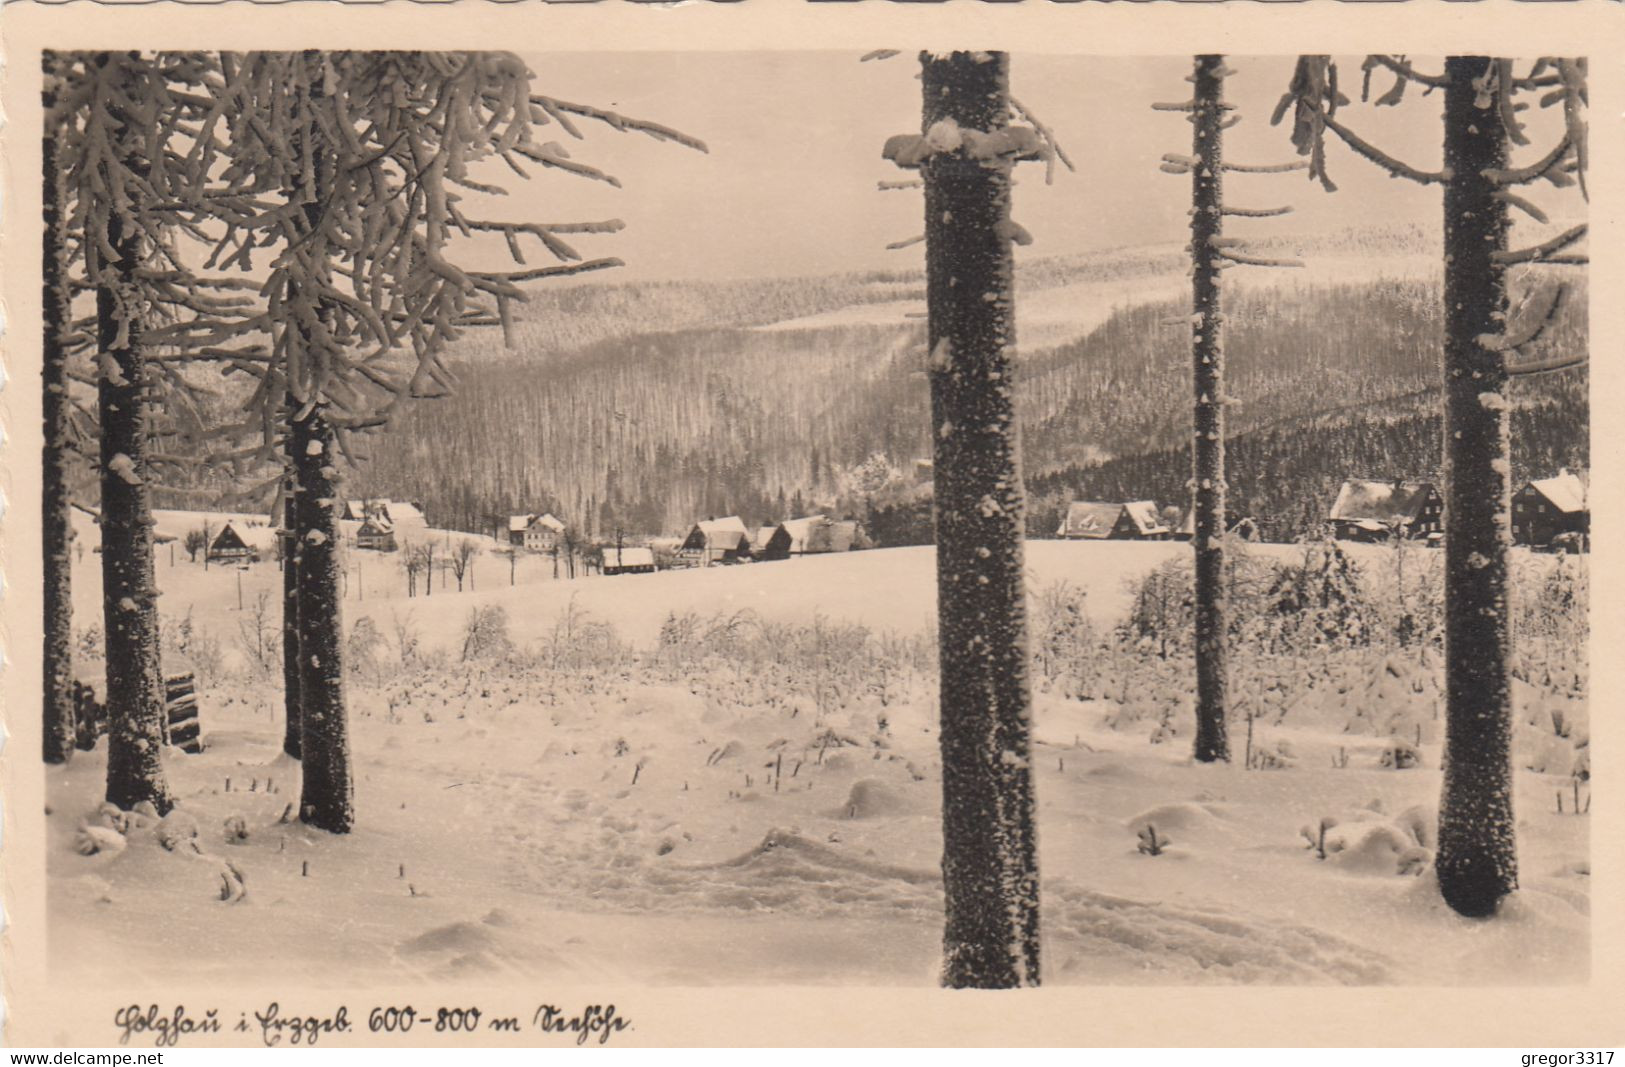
462, 561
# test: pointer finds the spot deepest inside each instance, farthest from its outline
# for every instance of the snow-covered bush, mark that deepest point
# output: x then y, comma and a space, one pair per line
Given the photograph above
259, 638
485, 633
1319, 601
186, 647
1066, 650
1161, 620
362, 650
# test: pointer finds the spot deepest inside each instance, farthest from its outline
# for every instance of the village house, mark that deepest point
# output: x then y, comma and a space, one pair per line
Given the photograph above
243, 543
1547, 508
1245, 528
538, 533
401, 518
1367, 510
716, 541
377, 534
760, 539
1094, 520
621, 560
789, 538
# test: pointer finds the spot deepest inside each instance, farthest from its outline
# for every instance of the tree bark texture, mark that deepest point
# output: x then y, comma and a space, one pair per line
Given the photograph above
135, 690
292, 730
1207, 376
990, 863
1477, 858
56, 530
327, 797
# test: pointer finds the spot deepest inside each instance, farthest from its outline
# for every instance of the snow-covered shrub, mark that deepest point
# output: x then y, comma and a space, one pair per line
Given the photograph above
185, 647
1320, 600
259, 638
578, 642
407, 637
1152, 843
485, 633
1161, 620
362, 650
1065, 648
1553, 622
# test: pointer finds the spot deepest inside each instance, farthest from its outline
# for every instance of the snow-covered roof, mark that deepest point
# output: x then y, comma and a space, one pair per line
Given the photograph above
1089, 518
629, 557
799, 530
377, 525
521, 523
251, 534
731, 524
1381, 502
404, 512
1565, 491
721, 533
1143, 513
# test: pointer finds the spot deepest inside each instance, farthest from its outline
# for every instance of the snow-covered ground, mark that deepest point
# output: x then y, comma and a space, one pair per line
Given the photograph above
755, 800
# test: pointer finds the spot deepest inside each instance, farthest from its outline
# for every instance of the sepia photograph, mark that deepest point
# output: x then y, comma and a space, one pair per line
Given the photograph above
816, 517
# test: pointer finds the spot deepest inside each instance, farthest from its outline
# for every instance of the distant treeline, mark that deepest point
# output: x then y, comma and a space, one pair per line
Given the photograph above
648, 432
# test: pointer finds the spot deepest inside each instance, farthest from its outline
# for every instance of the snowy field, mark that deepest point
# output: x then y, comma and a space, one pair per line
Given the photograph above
730, 776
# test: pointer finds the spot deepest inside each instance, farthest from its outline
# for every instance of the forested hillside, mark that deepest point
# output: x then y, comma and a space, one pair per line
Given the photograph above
643, 407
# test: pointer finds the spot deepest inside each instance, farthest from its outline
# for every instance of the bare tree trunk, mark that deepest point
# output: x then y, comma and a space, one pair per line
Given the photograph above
1207, 453
292, 728
327, 799
1477, 861
990, 860
135, 690
56, 528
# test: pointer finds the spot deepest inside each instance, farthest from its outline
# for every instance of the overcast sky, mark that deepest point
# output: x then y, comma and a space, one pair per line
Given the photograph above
789, 185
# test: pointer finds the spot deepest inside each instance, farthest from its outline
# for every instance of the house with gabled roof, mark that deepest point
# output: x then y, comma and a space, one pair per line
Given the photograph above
538, 533
789, 538
1370, 510
711, 541
377, 534
1096, 520
241, 543
1546, 508
624, 560
1245, 528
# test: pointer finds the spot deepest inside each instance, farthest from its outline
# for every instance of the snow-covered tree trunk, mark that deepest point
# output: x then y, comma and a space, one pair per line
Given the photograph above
292, 729
135, 688
1207, 454
990, 860
1477, 860
327, 799
54, 502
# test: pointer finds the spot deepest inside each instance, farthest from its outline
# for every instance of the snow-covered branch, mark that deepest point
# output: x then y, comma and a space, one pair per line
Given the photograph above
1245, 259
1524, 327
1546, 366
1396, 167
1543, 252
1257, 212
